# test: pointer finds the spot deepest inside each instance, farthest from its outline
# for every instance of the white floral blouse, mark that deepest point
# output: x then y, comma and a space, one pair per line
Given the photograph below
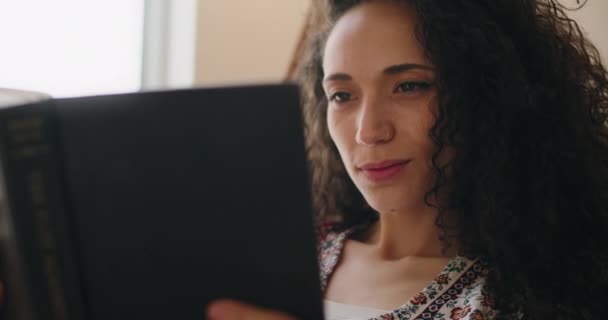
458, 291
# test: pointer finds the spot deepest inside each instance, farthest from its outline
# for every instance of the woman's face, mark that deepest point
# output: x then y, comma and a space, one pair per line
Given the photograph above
381, 91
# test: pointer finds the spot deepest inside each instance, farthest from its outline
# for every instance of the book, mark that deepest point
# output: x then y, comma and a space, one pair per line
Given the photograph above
151, 205
13, 97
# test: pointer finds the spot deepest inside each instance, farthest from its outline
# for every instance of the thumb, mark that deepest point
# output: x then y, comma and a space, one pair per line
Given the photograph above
234, 310
2, 290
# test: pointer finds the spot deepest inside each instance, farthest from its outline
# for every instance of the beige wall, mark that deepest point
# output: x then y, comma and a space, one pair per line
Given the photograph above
253, 40
593, 18
246, 40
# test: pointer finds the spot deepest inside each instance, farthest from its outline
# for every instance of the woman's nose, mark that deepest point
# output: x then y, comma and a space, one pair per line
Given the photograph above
374, 125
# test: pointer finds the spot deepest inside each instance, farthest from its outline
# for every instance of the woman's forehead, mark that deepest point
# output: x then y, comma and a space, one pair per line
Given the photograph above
376, 34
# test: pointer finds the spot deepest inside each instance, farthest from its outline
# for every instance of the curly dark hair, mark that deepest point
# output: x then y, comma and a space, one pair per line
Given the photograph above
523, 102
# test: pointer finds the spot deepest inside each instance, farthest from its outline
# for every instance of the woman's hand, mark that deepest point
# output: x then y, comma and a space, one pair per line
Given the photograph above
224, 310
233, 310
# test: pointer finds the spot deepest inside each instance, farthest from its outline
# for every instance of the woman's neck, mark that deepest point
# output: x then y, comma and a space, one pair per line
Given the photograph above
410, 233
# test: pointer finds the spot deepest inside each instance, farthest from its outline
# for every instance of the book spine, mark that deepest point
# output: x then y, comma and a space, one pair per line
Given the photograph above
37, 259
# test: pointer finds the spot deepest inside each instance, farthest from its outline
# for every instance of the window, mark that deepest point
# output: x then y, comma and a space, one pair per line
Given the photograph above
71, 47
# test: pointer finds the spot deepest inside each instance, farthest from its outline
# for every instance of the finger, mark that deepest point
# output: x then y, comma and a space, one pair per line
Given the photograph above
233, 310
1, 295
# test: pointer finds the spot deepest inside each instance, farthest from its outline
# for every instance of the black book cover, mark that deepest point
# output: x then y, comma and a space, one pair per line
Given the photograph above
150, 205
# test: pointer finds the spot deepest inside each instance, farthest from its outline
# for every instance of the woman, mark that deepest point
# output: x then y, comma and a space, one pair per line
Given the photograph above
462, 147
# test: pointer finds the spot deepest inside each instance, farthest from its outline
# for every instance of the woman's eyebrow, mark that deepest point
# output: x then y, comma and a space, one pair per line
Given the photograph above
399, 68
338, 77
394, 69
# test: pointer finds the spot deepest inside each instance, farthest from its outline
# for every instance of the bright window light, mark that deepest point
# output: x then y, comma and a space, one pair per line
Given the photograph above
71, 47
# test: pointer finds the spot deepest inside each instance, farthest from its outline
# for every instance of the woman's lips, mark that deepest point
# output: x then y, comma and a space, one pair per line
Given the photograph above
385, 170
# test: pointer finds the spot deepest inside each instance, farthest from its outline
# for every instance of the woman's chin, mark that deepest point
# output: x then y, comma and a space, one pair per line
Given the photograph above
394, 201
385, 205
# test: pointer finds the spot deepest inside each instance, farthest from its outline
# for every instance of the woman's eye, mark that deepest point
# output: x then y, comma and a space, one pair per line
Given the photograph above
340, 97
412, 86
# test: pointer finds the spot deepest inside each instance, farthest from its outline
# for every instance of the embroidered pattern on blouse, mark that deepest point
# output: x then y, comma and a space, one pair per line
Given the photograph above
456, 293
